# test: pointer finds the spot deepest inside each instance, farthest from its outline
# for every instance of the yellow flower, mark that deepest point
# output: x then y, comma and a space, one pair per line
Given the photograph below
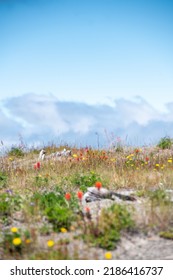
14, 229
63, 230
170, 160
146, 162
137, 168
10, 158
75, 156
17, 241
50, 243
27, 241
157, 164
108, 255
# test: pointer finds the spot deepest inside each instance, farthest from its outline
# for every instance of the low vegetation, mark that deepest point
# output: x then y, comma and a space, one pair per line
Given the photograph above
42, 215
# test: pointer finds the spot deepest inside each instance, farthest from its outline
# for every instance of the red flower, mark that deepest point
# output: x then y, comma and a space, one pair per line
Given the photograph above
88, 214
87, 209
80, 194
98, 185
37, 165
147, 158
67, 196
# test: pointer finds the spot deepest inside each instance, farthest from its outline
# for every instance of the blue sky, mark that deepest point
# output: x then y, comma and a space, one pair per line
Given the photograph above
86, 53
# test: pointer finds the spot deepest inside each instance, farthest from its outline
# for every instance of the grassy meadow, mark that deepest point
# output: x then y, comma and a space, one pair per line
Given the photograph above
42, 215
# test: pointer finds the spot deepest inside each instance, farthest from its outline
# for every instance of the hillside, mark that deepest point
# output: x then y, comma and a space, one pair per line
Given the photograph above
44, 214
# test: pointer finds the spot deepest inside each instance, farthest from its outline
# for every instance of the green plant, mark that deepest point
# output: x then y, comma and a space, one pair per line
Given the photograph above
12, 242
45, 229
40, 181
111, 222
3, 179
5, 207
83, 181
165, 143
8, 205
159, 197
59, 212
166, 234
16, 152
60, 217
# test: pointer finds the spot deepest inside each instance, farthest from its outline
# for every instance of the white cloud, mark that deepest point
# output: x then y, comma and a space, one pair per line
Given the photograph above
40, 118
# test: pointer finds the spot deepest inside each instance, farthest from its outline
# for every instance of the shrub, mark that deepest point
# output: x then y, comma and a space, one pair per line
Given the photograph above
16, 152
165, 143
111, 222
83, 181
166, 234
58, 211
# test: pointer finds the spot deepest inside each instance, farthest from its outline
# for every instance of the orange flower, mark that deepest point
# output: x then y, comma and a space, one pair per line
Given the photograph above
98, 185
67, 196
87, 209
80, 194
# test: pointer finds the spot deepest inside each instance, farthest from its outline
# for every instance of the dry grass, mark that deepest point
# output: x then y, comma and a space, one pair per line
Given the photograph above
141, 170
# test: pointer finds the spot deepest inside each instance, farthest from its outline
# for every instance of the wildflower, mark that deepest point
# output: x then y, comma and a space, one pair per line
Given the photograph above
37, 165
75, 155
88, 213
67, 196
147, 158
28, 241
14, 229
157, 164
9, 191
11, 158
50, 243
63, 230
87, 209
170, 160
108, 255
98, 185
17, 241
80, 194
